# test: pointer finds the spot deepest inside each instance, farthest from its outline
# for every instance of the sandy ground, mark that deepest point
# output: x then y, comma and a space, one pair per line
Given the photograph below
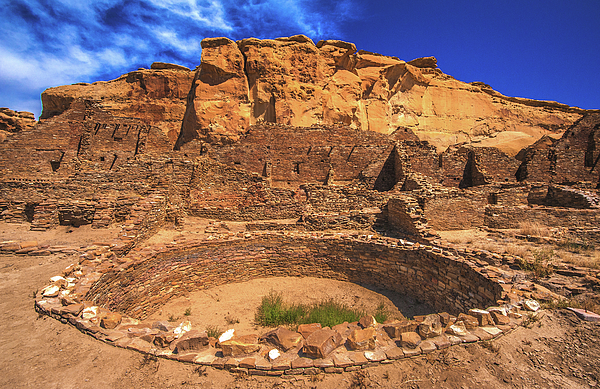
558, 351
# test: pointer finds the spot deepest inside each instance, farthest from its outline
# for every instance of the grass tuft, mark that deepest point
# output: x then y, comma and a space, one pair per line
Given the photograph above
213, 331
273, 311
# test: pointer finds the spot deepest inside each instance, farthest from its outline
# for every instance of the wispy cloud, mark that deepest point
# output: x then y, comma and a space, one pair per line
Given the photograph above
53, 42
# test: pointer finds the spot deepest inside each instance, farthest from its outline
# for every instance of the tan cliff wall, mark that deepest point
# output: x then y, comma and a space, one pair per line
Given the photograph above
294, 82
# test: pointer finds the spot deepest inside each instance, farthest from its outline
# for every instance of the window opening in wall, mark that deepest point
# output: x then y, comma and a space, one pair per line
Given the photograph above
101, 159
493, 198
296, 167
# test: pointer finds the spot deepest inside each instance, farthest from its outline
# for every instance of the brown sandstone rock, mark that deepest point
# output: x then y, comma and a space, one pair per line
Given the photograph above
469, 321
241, 345
431, 326
322, 342
282, 338
367, 321
362, 339
482, 316
410, 340
307, 329
193, 340
396, 329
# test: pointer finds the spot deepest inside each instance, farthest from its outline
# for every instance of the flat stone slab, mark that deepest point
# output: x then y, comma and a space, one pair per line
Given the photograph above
585, 315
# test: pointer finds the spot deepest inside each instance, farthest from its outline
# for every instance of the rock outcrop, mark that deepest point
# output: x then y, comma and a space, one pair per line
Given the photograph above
294, 82
11, 121
156, 96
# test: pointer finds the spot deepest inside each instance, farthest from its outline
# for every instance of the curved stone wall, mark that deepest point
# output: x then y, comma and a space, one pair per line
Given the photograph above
443, 280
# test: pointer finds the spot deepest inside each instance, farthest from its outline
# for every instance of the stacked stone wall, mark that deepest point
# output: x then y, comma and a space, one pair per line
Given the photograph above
444, 281
511, 217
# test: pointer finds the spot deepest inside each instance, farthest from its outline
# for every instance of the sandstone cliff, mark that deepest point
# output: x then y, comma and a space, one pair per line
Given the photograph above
157, 96
294, 82
11, 121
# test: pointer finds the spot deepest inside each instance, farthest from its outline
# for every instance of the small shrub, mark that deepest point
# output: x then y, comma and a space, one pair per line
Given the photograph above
172, 318
330, 313
541, 265
381, 313
214, 331
272, 311
188, 312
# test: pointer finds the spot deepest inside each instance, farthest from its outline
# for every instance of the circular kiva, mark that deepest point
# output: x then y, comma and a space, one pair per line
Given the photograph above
109, 297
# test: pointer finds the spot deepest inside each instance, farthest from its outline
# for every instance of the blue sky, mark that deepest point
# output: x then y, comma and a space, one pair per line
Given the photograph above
547, 50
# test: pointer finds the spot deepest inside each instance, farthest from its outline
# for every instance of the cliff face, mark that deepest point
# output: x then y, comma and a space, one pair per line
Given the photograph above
157, 96
294, 82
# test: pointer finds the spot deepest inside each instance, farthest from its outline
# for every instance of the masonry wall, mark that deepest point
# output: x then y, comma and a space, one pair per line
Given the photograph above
511, 217
445, 282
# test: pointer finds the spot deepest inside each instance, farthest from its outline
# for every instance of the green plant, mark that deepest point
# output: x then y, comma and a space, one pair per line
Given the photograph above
381, 313
188, 312
213, 331
172, 318
231, 320
541, 265
330, 313
273, 312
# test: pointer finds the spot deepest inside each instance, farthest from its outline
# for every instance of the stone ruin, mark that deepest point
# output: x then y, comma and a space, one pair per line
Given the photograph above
366, 154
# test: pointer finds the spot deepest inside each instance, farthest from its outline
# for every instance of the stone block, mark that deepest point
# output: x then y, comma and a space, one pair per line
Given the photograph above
322, 342
241, 345
410, 340
190, 341
362, 339
282, 338
307, 329
394, 330
431, 326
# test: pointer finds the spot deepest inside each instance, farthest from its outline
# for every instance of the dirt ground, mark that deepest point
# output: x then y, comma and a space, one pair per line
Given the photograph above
557, 351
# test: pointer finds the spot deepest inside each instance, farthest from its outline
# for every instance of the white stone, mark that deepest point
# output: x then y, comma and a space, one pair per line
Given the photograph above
501, 310
184, 327
57, 279
494, 331
457, 328
50, 291
274, 354
226, 335
89, 313
531, 305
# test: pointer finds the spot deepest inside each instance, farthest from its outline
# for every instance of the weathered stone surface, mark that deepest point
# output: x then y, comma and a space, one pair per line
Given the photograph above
410, 339
469, 321
395, 330
283, 338
367, 321
363, 339
431, 326
428, 346
482, 316
307, 329
499, 318
241, 345
191, 341
457, 328
111, 320
322, 342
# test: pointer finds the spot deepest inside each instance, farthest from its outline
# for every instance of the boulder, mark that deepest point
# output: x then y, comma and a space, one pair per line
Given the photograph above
111, 320
483, 317
457, 329
241, 345
469, 321
192, 340
431, 326
322, 342
367, 321
363, 339
410, 340
396, 329
282, 338
307, 329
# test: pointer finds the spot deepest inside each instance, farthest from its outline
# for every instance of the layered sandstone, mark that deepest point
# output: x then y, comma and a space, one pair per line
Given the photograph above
157, 96
12, 121
295, 82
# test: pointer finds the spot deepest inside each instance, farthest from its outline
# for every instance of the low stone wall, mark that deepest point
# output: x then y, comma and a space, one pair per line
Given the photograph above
510, 217
445, 281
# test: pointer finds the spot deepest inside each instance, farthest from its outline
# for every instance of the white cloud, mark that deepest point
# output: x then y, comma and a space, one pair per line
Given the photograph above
65, 41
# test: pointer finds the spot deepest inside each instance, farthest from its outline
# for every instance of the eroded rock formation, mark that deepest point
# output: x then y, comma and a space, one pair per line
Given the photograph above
294, 82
